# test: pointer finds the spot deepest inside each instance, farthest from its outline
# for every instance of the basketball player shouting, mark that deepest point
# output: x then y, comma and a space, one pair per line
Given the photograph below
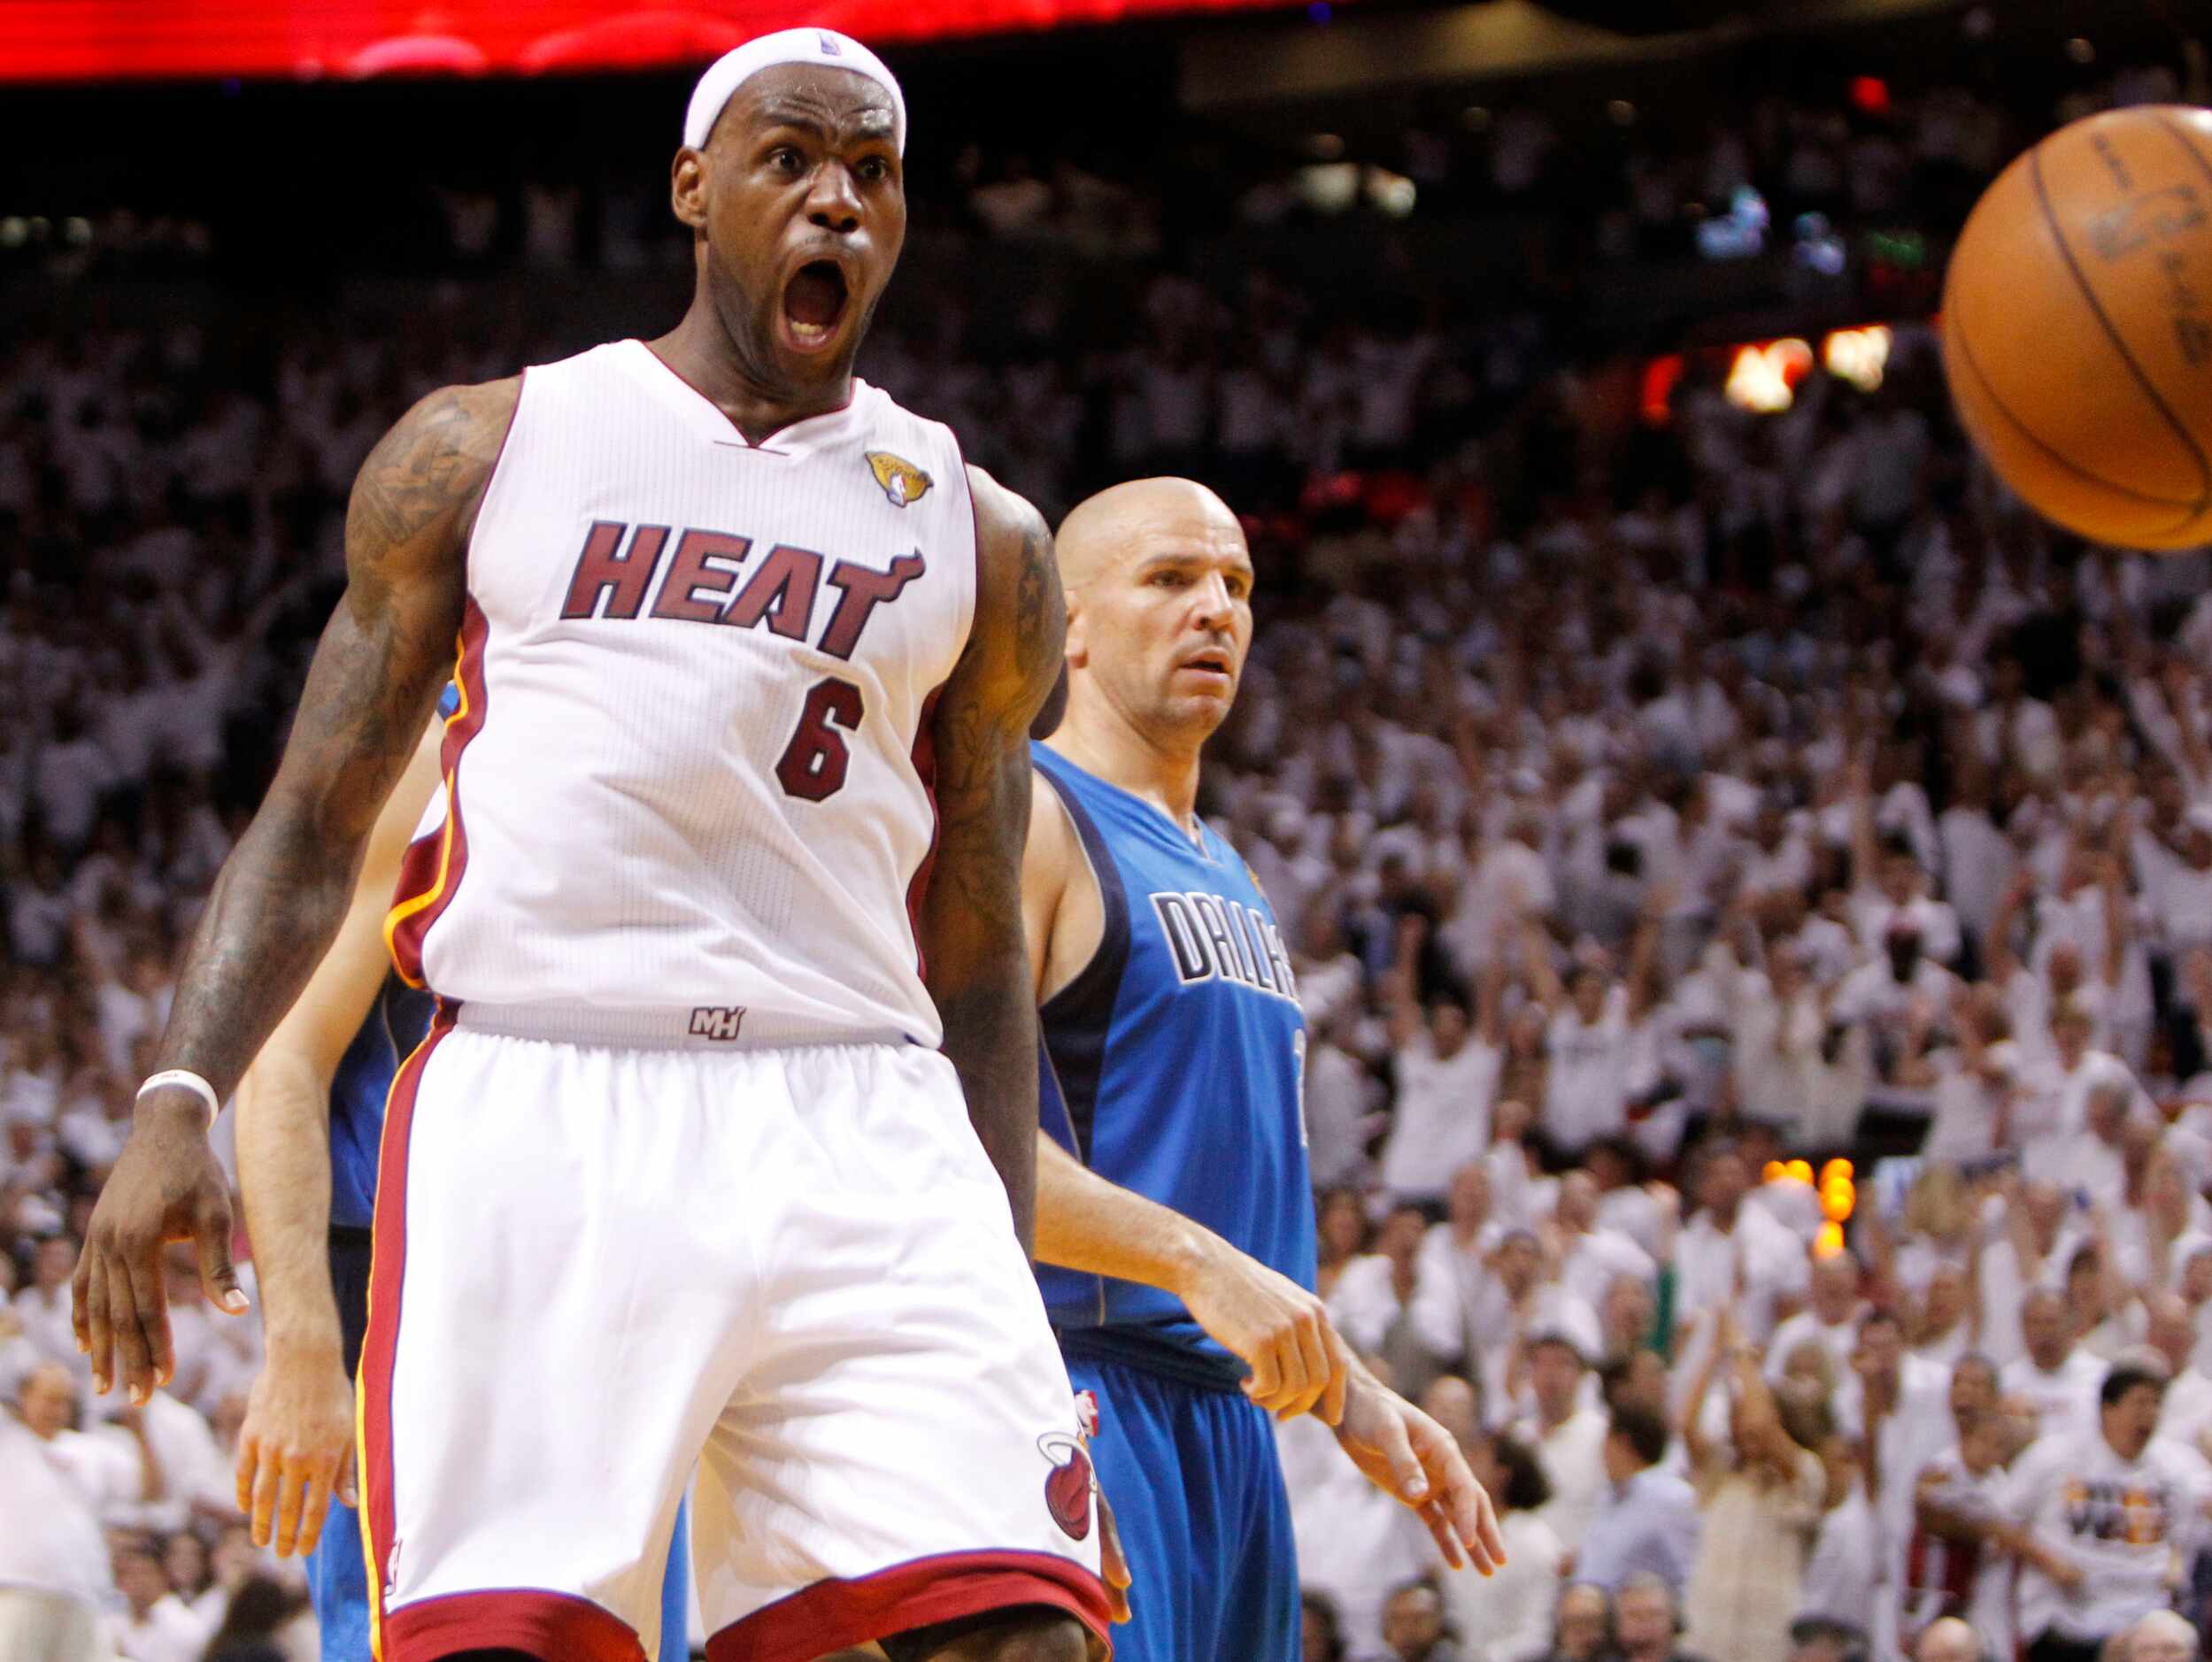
680, 1173
1174, 1191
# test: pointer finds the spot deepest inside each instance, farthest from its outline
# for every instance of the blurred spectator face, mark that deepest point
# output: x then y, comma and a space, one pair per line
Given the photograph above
2062, 968
1524, 1034
184, 1560
1450, 1401
1881, 1348
1588, 988
2043, 1327
1577, 1207
1900, 877
1413, 1622
1630, 1311
1469, 1199
1343, 1227
138, 1577
1581, 1622
1516, 1262
1834, 1288
1644, 1385
2084, 1292
1555, 1376
48, 1400
56, 1258
1943, 1306
1448, 1026
1401, 1235
1973, 1387
1644, 1620
1723, 1182
1982, 1443
2129, 1423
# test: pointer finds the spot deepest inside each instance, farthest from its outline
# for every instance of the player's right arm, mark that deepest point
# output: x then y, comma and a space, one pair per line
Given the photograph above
1275, 1327
295, 1446
283, 891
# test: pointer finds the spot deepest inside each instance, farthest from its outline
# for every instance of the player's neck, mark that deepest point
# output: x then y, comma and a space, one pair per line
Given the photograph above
702, 351
1165, 775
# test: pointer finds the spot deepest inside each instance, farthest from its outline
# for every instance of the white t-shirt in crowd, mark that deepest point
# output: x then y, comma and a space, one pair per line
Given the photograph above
1507, 1617
1773, 1264
2060, 1398
2123, 1522
1572, 1455
1590, 1262
1354, 1543
1587, 1082
50, 1528
1441, 1117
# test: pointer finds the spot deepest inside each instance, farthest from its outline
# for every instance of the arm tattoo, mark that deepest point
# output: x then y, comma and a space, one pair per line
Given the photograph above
972, 928
285, 888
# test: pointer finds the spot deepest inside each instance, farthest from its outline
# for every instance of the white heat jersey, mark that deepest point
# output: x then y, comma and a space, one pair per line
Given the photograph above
689, 762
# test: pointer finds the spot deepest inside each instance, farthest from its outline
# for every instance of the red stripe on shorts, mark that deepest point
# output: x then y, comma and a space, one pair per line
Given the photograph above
528, 1620
833, 1614
380, 1345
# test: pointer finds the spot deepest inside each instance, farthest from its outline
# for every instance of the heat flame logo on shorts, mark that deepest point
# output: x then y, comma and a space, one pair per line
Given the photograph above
902, 481
1068, 1490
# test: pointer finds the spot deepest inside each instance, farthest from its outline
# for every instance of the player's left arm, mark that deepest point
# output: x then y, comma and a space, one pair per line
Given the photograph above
972, 941
1417, 1462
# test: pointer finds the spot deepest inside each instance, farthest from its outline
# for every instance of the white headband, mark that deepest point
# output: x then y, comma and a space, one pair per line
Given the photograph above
826, 47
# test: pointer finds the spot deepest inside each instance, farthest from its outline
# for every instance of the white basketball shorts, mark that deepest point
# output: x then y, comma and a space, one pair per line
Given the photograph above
597, 1268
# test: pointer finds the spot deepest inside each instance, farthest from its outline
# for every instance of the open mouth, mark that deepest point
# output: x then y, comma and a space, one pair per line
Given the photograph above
1208, 664
813, 304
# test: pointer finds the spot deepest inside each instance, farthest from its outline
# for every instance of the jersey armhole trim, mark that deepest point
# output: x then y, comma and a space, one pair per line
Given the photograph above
974, 543
491, 479
1099, 979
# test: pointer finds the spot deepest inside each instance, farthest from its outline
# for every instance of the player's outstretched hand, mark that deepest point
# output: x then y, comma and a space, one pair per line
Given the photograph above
1414, 1460
165, 1186
1275, 1327
295, 1448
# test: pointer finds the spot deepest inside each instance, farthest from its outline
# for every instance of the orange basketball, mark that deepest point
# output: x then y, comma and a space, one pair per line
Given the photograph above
2077, 327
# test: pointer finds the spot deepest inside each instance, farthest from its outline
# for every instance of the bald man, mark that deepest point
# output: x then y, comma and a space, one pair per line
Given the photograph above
2161, 1636
1947, 1639
1174, 1214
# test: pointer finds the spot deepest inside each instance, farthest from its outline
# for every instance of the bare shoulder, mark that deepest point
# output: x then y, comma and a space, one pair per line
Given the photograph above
426, 477
1020, 619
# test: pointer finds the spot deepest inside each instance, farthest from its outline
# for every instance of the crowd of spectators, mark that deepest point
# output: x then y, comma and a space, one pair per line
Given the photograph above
1651, 802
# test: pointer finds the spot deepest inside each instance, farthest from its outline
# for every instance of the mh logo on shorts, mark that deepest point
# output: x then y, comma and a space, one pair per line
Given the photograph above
717, 1022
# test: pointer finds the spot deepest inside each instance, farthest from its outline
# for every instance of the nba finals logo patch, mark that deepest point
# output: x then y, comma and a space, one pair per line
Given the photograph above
902, 481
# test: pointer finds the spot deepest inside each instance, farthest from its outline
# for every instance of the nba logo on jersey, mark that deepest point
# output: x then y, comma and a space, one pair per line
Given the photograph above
902, 481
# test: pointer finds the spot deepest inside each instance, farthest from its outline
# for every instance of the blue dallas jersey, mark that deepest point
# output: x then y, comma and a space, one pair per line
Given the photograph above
1174, 1066
395, 1025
